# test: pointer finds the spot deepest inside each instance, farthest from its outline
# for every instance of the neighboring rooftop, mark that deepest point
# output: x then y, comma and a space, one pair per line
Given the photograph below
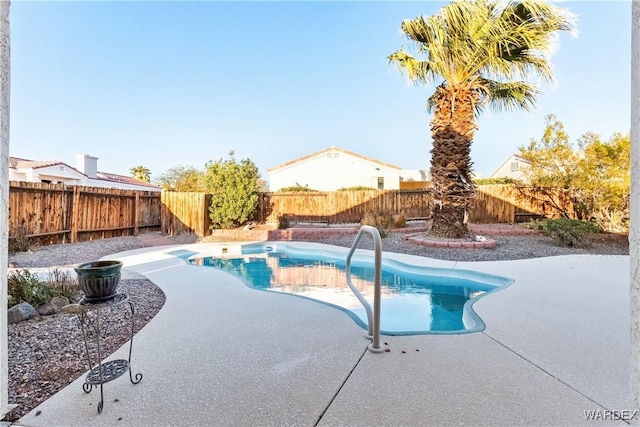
331, 149
85, 173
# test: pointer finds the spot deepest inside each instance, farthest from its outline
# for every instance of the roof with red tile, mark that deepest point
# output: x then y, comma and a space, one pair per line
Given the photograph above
18, 163
106, 176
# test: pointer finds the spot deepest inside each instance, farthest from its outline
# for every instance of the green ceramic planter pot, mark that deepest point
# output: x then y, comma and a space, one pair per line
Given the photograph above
99, 280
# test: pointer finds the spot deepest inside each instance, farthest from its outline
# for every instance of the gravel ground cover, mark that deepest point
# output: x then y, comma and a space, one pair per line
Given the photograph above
507, 247
46, 353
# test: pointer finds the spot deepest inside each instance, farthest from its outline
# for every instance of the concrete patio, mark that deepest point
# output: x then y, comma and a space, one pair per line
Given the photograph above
219, 353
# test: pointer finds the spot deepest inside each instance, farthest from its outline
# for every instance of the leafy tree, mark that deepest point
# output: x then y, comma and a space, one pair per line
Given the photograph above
183, 179
483, 50
141, 173
604, 180
234, 188
595, 175
552, 158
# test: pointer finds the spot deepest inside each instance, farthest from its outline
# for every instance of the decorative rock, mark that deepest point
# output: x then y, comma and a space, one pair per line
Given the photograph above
20, 312
47, 309
60, 301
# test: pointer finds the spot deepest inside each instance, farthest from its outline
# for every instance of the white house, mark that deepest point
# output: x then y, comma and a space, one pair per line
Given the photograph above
514, 167
334, 168
85, 173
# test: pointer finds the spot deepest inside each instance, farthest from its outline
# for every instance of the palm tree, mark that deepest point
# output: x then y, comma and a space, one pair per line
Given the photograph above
483, 51
141, 173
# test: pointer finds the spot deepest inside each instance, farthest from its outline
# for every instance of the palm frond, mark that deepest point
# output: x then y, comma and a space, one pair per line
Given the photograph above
471, 43
511, 95
418, 71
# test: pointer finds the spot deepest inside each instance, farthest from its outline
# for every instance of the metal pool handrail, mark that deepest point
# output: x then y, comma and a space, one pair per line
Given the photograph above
374, 326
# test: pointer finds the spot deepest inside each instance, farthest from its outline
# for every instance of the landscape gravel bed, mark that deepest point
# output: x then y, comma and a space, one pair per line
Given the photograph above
46, 353
68, 254
507, 247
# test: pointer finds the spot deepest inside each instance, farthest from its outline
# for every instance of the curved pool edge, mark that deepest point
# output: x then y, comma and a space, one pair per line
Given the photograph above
471, 320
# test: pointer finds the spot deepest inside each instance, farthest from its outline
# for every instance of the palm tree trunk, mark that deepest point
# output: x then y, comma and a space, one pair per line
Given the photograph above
452, 129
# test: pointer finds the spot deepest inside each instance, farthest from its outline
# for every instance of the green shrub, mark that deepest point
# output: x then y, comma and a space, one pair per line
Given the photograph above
20, 240
535, 224
24, 286
569, 232
234, 192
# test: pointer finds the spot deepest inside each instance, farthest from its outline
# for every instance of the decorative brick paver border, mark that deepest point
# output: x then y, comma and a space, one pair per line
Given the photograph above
424, 240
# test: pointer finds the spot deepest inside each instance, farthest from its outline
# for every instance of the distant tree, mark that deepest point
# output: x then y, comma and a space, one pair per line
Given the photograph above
141, 173
604, 180
183, 179
483, 52
595, 174
552, 158
234, 189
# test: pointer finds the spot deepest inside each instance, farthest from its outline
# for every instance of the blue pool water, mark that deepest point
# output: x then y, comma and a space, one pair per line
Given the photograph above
414, 299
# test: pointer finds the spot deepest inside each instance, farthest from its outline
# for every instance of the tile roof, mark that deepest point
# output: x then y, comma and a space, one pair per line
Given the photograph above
18, 163
123, 179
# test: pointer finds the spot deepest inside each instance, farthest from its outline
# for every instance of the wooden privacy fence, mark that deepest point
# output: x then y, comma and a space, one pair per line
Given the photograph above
57, 213
189, 212
511, 203
186, 213
341, 207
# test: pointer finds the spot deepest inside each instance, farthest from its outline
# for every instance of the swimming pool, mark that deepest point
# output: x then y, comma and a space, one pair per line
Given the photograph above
415, 299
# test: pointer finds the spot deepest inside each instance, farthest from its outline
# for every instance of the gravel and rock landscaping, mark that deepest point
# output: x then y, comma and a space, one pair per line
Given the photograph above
46, 352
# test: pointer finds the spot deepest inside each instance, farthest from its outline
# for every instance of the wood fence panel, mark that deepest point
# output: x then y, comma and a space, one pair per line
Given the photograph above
57, 213
39, 209
185, 213
505, 203
341, 207
149, 207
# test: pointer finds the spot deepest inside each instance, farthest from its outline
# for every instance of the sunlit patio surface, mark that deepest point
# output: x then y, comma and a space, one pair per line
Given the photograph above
554, 352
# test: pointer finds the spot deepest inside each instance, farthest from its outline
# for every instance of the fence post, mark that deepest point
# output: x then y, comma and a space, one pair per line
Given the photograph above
75, 212
136, 215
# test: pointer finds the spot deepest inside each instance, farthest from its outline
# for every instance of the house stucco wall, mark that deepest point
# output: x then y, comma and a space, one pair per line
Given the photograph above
513, 168
56, 174
332, 170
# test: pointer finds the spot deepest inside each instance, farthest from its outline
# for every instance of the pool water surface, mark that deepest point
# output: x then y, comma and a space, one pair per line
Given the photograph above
415, 300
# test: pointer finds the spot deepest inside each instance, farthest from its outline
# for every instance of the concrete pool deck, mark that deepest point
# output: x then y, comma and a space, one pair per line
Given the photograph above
219, 353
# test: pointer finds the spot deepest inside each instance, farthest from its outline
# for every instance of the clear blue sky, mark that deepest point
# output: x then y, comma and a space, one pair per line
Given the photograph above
164, 84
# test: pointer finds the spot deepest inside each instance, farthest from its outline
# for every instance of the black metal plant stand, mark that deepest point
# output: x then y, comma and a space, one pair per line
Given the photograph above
96, 319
